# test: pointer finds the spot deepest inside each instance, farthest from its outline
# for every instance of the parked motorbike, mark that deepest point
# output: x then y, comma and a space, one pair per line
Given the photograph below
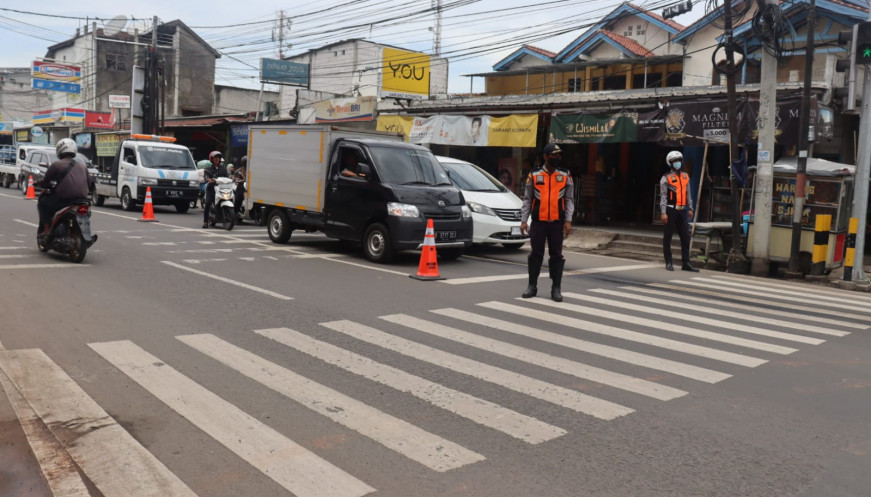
70, 232
223, 210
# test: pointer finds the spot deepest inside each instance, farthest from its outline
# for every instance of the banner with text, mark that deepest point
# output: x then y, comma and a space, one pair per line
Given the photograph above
404, 74
516, 130
100, 120
336, 110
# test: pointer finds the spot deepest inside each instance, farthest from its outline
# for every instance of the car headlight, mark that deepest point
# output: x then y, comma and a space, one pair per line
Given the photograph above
402, 210
481, 209
466, 212
147, 181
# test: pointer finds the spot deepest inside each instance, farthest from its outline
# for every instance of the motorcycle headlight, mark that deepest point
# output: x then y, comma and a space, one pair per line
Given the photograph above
402, 210
147, 181
226, 195
466, 212
481, 209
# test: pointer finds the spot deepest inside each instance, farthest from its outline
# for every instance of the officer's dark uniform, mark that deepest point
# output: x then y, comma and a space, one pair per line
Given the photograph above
676, 202
549, 198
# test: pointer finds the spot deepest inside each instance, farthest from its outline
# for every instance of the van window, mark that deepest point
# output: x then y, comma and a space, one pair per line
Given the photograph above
408, 166
129, 156
159, 157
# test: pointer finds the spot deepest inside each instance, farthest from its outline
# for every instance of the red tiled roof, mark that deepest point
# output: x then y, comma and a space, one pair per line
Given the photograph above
539, 50
676, 25
628, 43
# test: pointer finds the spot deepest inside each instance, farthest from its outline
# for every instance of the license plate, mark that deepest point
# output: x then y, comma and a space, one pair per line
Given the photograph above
444, 236
174, 193
515, 231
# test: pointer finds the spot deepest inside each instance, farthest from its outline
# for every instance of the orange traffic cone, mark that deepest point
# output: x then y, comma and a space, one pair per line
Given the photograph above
429, 267
148, 208
31, 193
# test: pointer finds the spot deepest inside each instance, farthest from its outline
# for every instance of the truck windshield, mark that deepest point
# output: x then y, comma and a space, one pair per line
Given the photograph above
408, 166
157, 157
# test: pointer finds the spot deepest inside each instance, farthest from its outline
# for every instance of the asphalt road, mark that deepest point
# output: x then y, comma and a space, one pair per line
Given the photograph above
182, 361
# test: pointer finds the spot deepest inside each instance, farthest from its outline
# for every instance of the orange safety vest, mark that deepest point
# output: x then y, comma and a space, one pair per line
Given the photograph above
549, 203
677, 188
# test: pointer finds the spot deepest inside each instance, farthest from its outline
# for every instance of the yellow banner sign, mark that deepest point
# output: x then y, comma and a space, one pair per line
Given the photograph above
404, 74
108, 144
515, 130
396, 124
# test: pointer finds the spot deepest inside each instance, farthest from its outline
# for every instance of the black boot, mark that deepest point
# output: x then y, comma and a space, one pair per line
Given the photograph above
556, 275
534, 270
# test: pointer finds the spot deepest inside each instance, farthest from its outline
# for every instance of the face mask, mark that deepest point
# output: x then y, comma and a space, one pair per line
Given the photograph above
555, 161
676, 165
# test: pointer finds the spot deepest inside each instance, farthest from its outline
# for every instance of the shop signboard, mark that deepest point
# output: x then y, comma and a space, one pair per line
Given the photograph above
336, 110
594, 128
284, 72
404, 74
107, 144
238, 135
56, 77
99, 120
516, 130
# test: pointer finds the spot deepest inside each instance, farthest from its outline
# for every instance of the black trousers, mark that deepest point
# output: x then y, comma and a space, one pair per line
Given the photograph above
208, 203
677, 219
552, 231
47, 205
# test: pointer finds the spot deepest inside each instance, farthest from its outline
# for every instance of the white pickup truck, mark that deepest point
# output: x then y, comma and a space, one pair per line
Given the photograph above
8, 166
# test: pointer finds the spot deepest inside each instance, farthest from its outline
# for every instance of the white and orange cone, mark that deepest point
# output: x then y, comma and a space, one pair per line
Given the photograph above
148, 208
31, 192
429, 267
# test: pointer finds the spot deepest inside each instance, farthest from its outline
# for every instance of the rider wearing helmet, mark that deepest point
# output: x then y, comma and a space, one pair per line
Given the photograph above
217, 170
676, 208
65, 181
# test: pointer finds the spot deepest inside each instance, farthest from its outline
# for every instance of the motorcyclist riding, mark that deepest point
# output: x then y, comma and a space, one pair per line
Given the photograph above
70, 179
217, 170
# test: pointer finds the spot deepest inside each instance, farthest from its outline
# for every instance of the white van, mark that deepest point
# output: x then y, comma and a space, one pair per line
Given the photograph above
495, 209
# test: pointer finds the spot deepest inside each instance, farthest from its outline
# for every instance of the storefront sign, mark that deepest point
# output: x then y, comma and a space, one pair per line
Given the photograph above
22, 135
238, 135
404, 74
515, 130
85, 142
590, 128
284, 71
119, 101
107, 144
67, 115
101, 120
56, 77
345, 109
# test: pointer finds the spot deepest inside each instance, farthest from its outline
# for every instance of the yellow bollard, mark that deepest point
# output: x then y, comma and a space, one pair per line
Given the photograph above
821, 243
850, 255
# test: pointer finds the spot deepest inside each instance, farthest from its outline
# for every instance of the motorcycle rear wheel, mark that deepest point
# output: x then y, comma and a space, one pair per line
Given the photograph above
77, 250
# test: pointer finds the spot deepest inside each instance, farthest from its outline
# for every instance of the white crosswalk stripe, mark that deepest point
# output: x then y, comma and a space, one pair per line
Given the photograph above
818, 290
513, 381
290, 465
433, 452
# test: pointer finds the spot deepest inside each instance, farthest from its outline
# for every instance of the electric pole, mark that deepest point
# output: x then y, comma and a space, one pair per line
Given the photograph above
735, 260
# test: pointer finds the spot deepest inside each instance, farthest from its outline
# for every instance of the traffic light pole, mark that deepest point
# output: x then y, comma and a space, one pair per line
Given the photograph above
863, 159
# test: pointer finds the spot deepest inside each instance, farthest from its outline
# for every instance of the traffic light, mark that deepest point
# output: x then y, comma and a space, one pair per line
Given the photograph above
684, 7
862, 48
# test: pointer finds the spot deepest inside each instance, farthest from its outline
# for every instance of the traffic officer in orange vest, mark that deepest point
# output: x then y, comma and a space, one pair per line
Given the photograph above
676, 207
549, 197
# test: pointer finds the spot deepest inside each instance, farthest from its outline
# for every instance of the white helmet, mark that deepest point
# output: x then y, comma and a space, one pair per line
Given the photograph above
673, 156
66, 146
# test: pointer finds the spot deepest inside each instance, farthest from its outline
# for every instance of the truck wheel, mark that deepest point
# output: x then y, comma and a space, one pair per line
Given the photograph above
377, 244
450, 254
182, 207
278, 226
127, 203
7, 180
22, 183
99, 200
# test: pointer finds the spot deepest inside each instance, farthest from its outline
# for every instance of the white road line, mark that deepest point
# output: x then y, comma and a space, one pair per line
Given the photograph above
507, 277
58, 467
652, 340
228, 280
17, 247
555, 394
42, 266
789, 294
667, 327
576, 369
111, 458
430, 450
717, 285
19, 256
750, 317
481, 411
796, 286
676, 292
28, 223
623, 355
287, 463
668, 312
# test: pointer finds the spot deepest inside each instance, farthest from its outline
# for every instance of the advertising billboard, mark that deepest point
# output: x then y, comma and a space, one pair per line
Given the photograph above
404, 74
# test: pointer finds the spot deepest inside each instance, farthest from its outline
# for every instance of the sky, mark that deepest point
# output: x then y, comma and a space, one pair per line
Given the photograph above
475, 34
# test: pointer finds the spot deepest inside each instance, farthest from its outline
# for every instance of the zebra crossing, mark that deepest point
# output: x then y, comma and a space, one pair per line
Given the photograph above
605, 337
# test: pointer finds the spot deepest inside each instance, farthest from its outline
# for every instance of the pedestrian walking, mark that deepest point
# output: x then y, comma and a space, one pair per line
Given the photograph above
549, 197
676, 210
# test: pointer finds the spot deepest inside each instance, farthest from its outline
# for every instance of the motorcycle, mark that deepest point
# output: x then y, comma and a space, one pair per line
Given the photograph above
224, 208
239, 201
70, 232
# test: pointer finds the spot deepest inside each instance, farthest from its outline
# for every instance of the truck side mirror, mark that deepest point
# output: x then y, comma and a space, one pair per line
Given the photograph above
130, 160
363, 169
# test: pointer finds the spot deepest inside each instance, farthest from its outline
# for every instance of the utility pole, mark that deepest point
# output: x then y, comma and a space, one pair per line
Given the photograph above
437, 43
863, 159
764, 178
803, 139
735, 260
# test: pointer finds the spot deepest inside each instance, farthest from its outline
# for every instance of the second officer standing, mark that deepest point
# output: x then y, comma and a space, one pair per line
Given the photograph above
549, 197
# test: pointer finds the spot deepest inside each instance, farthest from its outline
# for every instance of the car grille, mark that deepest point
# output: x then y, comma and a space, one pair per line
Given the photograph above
442, 216
173, 182
508, 214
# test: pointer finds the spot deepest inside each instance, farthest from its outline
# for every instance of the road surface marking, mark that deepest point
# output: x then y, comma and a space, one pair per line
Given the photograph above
113, 460
19, 256
655, 341
666, 327
616, 353
674, 292
287, 463
430, 450
507, 277
41, 266
717, 285
481, 411
738, 315
796, 286
789, 294
228, 280
28, 223
555, 394
667, 312
562, 365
